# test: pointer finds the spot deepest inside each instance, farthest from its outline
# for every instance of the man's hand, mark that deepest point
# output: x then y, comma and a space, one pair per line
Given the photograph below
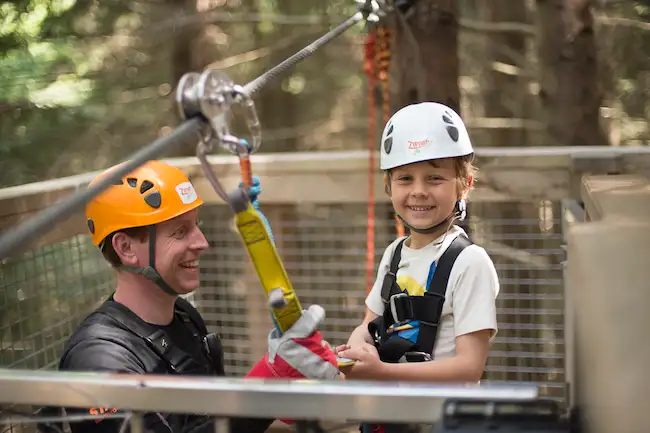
367, 365
299, 353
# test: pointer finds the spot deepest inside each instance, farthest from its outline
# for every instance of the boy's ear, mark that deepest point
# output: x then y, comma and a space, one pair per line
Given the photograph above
387, 183
466, 189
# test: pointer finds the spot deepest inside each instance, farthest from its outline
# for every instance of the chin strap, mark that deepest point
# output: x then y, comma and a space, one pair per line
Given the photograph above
150, 272
459, 213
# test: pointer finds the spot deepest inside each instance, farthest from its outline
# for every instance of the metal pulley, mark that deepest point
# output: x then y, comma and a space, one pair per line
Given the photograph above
211, 95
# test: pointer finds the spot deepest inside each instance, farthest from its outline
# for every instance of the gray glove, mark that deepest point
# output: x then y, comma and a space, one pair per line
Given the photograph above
300, 352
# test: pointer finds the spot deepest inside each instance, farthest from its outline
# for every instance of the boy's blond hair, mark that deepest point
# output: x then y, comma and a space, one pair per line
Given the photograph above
465, 170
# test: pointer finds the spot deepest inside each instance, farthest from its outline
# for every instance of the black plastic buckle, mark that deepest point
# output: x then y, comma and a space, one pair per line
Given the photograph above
417, 357
401, 308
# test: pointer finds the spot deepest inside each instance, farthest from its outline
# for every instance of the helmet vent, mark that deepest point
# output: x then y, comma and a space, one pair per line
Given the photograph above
91, 226
153, 199
146, 186
118, 182
132, 181
388, 142
388, 145
451, 130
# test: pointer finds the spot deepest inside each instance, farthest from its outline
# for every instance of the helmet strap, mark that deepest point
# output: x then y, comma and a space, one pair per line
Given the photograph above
150, 272
459, 213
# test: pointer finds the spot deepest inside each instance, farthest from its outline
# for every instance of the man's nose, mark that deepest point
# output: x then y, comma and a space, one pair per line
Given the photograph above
199, 241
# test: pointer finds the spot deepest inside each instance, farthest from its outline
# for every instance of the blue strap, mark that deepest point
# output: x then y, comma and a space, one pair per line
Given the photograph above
253, 192
432, 270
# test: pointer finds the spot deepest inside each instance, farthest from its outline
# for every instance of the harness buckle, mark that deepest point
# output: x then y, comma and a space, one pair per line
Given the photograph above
416, 356
394, 306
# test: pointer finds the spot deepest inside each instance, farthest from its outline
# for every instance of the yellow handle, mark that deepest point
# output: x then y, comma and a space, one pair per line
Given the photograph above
270, 269
268, 266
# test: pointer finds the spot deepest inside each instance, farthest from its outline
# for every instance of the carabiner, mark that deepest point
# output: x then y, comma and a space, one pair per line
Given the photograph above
252, 121
205, 147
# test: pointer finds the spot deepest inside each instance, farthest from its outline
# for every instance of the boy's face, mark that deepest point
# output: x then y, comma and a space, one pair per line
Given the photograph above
424, 193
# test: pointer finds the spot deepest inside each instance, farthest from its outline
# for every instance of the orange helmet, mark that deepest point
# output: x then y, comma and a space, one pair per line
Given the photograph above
153, 193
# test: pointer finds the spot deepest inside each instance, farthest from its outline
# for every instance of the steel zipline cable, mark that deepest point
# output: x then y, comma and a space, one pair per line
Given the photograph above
186, 133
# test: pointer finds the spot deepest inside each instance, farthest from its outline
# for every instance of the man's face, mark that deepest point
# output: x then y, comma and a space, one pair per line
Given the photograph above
179, 243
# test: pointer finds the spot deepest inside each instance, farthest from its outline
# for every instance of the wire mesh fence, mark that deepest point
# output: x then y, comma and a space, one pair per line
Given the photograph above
324, 249
47, 292
43, 297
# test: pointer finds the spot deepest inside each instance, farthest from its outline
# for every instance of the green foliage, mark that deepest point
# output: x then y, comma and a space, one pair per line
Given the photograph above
86, 83
51, 54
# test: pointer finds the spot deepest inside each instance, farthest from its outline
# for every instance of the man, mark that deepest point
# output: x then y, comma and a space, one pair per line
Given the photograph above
146, 226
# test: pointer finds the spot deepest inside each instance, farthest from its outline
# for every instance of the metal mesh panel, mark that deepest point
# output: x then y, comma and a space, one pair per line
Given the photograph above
44, 295
47, 292
324, 247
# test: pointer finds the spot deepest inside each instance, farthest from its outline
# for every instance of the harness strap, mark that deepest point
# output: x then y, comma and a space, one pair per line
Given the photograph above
177, 360
390, 287
187, 311
399, 306
434, 298
212, 341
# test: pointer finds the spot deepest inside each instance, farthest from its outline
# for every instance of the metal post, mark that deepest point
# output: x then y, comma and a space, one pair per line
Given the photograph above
571, 212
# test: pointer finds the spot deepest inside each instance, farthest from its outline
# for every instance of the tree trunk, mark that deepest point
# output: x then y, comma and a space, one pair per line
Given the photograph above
425, 55
569, 90
276, 107
506, 92
185, 58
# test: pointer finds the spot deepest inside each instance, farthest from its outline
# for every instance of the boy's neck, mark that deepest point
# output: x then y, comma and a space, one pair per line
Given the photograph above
416, 240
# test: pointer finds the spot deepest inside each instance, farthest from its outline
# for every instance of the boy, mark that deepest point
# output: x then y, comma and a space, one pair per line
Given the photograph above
430, 328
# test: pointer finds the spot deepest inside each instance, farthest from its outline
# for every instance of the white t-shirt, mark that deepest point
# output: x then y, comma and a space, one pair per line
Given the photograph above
470, 299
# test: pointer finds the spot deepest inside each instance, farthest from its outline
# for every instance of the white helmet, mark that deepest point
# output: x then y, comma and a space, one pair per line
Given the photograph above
421, 132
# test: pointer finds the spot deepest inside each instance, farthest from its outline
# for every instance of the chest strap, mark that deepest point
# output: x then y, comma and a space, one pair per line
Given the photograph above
177, 360
423, 311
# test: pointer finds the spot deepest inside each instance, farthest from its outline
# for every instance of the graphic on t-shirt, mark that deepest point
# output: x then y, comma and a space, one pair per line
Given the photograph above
410, 285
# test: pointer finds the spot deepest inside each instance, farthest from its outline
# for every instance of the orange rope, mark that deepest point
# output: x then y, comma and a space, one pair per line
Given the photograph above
369, 69
246, 170
383, 63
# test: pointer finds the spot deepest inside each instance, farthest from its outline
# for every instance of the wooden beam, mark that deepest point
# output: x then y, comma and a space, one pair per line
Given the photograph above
506, 174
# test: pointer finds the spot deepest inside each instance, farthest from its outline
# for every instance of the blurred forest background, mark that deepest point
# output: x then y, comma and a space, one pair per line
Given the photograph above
85, 83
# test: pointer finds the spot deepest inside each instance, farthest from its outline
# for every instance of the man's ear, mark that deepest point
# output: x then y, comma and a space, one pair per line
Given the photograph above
123, 246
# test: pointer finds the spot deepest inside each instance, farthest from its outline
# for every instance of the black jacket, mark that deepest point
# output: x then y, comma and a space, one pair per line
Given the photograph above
108, 340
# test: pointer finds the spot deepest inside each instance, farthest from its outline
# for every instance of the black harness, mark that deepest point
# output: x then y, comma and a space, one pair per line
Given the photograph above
177, 360
421, 312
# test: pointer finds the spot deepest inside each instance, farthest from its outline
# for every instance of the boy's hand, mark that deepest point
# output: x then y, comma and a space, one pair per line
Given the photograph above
367, 365
365, 346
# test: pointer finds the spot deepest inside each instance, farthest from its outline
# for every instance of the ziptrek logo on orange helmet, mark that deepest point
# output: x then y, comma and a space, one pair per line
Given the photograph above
186, 192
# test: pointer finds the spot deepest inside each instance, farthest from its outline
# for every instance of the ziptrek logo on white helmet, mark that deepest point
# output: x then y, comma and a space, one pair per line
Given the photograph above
422, 132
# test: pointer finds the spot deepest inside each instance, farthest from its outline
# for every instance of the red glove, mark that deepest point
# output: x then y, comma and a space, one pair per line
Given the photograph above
300, 353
